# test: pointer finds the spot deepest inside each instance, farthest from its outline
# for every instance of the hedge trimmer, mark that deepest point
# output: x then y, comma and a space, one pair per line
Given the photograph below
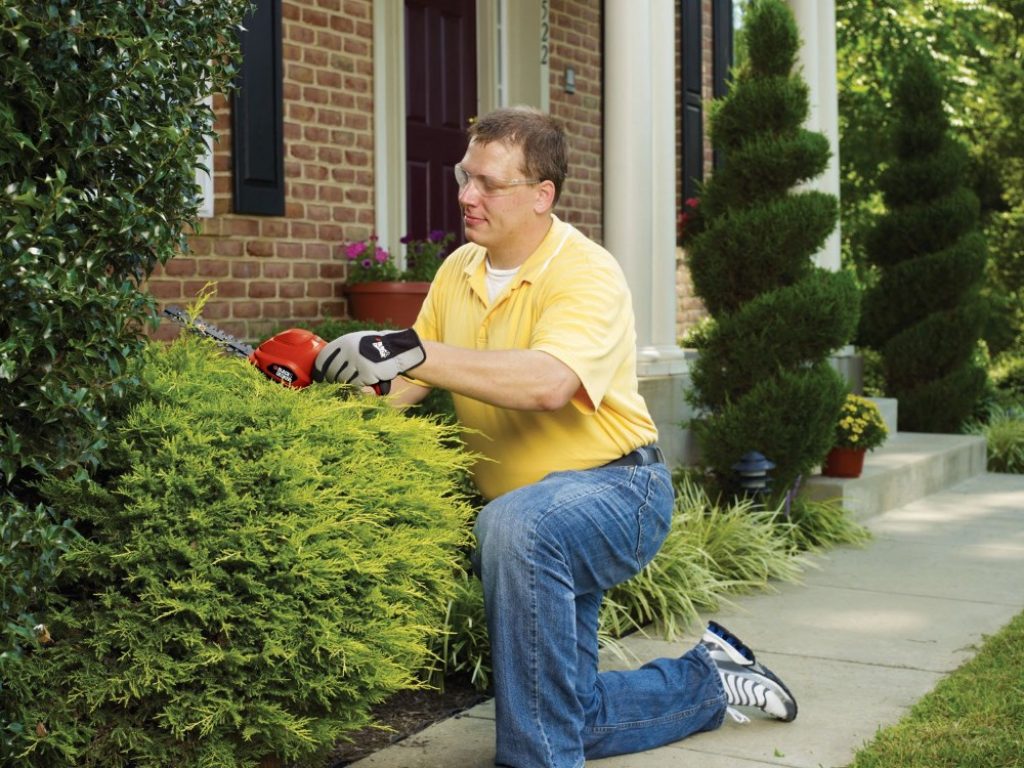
287, 358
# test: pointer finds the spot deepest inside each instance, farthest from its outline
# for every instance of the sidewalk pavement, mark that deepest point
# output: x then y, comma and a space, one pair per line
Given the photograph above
867, 633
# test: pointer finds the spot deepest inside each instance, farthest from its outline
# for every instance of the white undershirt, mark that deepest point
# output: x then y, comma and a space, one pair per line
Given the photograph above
497, 279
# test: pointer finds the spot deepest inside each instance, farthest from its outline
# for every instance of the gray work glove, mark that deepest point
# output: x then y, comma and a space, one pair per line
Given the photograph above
369, 358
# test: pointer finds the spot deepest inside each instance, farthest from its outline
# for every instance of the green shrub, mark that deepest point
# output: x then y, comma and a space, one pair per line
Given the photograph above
1003, 430
1007, 375
101, 126
924, 314
258, 566
761, 381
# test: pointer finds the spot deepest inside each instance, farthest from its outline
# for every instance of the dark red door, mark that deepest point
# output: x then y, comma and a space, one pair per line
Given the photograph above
440, 81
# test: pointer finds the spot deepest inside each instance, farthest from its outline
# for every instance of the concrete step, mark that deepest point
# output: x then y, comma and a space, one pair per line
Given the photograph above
908, 467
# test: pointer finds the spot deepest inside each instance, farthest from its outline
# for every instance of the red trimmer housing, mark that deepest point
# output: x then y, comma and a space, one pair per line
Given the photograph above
289, 356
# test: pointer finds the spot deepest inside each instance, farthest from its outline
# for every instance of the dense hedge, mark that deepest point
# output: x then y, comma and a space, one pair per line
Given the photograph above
258, 566
101, 127
762, 381
925, 314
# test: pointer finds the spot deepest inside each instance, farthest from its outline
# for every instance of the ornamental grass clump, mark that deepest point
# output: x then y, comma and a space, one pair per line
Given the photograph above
860, 424
258, 566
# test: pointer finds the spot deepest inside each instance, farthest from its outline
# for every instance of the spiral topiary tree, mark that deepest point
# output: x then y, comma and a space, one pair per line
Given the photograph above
924, 314
762, 380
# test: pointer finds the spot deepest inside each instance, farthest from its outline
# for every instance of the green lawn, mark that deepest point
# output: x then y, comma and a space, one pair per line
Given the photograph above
973, 719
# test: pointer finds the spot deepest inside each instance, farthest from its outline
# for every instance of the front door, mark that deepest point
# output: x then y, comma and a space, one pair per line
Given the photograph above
440, 102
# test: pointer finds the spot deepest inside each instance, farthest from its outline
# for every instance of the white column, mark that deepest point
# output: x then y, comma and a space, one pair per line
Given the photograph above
640, 170
816, 20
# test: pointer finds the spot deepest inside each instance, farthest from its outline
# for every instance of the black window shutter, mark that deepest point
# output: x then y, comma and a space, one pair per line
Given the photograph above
257, 115
692, 151
721, 35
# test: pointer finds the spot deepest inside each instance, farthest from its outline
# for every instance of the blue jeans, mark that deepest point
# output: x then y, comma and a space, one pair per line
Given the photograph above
546, 553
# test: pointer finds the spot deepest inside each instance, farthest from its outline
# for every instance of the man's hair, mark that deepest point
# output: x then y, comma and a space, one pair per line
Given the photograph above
538, 134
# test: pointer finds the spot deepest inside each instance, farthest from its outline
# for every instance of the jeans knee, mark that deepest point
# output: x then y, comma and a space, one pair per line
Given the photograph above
500, 533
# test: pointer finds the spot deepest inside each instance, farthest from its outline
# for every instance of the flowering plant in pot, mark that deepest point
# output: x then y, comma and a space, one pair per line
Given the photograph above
424, 257
859, 429
860, 424
369, 262
378, 291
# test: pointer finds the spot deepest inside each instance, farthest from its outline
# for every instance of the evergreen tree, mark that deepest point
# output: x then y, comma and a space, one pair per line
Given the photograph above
763, 381
924, 313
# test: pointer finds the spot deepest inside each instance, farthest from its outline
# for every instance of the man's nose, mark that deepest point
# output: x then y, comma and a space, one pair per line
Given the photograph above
465, 193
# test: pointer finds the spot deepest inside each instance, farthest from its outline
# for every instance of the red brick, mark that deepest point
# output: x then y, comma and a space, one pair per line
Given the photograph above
305, 270
332, 271
305, 309
246, 309
245, 269
241, 227
179, 267
276, 270
209, 268
165, 289
292, 290
262, 290
259, 248
318, 251
301, 230
289, 250
273, 228
276, 309
319, 290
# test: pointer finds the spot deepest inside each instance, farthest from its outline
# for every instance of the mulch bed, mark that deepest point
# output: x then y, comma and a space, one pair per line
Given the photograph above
406, 713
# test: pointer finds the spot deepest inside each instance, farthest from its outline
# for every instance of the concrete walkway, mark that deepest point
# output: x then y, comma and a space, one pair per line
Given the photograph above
868, 633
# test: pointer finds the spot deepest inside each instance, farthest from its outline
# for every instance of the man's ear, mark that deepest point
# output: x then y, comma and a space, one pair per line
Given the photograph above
544, 200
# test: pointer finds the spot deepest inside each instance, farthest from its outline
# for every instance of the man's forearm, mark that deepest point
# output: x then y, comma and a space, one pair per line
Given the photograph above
520, 379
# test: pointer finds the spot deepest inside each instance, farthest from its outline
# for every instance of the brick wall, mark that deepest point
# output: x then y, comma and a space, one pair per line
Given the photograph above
272, 270
576, 43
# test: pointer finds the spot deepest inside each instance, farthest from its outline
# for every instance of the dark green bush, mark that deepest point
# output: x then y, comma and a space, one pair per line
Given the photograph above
925, 314
258, 566
739, 348
761, 382
931, 283
747, 250
101, 128
779, 101
766, 166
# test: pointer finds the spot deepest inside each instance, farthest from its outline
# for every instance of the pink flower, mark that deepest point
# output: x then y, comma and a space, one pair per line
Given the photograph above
354, 250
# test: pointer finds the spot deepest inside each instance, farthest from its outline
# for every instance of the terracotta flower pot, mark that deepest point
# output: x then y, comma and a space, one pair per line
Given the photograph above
394, 304
844, 462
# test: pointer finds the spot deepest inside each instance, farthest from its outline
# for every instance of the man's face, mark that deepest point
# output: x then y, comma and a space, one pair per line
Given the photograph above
495, 221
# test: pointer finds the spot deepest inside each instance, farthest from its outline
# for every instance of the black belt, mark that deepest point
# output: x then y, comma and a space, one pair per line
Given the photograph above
642, 456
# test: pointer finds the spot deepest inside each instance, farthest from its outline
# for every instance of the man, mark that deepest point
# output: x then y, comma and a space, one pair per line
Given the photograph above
530, 326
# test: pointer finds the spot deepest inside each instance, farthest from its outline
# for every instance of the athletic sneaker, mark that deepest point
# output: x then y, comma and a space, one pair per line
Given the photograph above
747, 682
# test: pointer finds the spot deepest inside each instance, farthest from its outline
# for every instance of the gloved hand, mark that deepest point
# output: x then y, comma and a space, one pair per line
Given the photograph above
369, 358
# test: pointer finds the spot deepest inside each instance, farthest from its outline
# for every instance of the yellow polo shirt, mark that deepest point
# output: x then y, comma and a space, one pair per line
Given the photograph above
569, 299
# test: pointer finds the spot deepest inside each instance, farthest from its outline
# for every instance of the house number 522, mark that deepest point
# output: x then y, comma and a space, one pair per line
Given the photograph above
544, 32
